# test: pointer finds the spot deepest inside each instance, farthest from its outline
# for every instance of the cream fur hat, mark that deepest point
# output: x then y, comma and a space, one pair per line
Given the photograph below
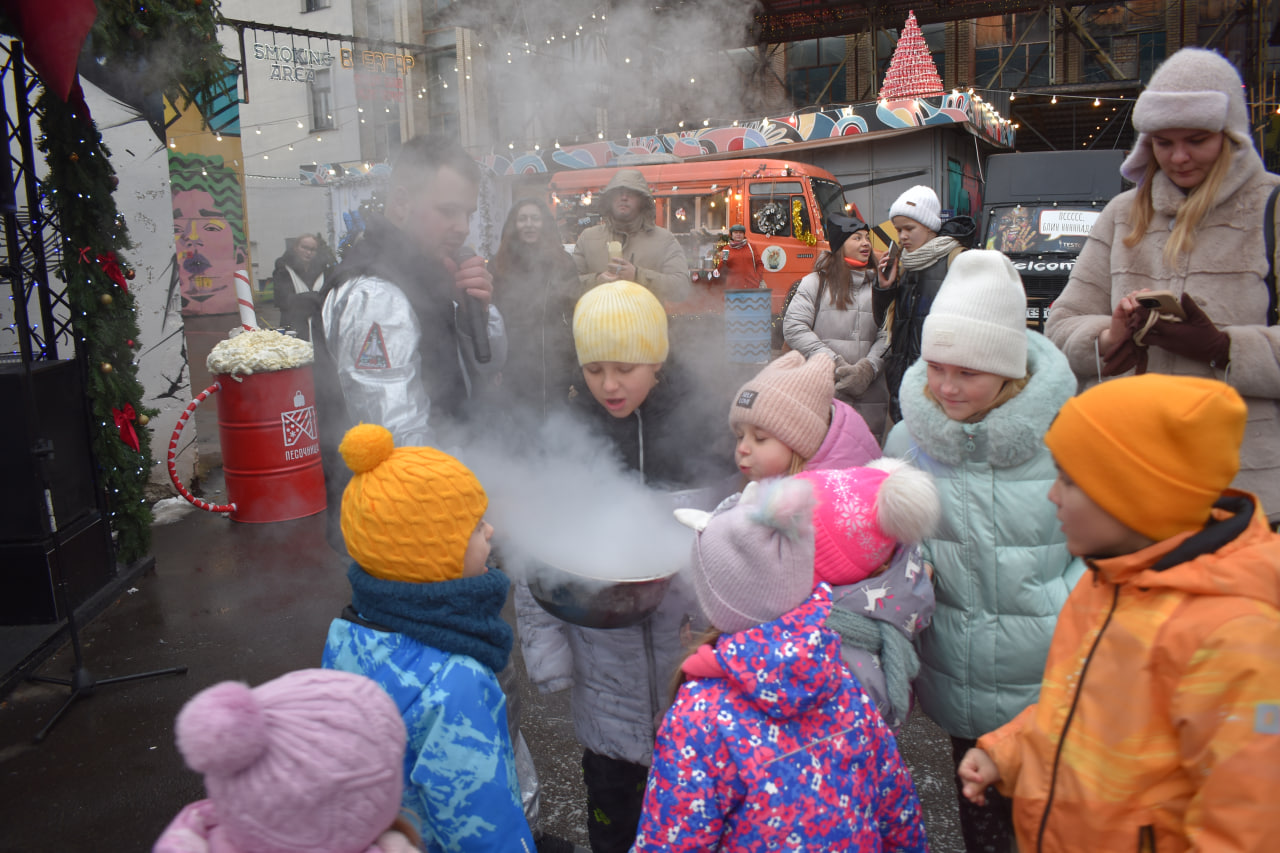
620, 321
979, 317
1194, 88
921, 204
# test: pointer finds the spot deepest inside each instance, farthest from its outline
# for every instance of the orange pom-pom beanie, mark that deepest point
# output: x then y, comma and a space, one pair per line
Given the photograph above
409, 512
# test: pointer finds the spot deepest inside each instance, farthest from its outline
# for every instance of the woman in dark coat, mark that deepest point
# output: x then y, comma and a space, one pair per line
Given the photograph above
534, 283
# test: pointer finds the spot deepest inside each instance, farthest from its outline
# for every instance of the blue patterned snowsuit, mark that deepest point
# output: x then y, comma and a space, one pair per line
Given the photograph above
460, 776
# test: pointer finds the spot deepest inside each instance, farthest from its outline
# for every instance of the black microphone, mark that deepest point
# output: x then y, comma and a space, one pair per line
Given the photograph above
477, 315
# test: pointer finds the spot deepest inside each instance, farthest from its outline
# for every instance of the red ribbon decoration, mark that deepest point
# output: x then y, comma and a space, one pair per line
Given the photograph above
124, 421
110, 266
112, 269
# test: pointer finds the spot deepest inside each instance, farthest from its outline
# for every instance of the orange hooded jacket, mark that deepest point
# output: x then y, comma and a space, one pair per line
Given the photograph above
1158, 723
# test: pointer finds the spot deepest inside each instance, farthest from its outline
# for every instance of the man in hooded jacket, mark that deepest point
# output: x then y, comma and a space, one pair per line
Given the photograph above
648, 253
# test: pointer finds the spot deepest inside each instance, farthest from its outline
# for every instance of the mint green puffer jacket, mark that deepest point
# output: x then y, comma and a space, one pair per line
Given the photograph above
1001, 567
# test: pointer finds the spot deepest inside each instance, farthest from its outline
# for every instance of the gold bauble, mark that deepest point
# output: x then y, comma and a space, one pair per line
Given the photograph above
105, 299
142, 419
106, 367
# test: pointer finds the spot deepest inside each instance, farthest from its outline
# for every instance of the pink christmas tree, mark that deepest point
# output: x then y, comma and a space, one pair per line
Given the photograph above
911, 73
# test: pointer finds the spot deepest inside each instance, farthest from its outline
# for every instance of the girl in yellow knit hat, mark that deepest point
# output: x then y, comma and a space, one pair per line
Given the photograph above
425, 622
658, 423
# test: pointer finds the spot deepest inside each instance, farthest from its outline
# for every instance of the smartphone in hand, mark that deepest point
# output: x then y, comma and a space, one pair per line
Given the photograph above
1161, 302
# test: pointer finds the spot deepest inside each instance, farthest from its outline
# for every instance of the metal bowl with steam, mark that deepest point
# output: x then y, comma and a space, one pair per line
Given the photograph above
604, 602
596, 602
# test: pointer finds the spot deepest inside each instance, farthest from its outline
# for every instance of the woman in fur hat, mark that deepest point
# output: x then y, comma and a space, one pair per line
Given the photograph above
1193, 225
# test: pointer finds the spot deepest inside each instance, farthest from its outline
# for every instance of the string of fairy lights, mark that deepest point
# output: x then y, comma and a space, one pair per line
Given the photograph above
512, 48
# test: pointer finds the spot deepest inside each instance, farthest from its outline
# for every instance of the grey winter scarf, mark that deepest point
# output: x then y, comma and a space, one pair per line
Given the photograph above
898, 657
928, 254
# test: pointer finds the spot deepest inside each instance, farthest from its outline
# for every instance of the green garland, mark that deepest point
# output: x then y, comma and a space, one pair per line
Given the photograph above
78, 194
176, 41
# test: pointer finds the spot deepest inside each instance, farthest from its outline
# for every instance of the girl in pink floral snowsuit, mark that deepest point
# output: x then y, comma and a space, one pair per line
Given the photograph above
771, 743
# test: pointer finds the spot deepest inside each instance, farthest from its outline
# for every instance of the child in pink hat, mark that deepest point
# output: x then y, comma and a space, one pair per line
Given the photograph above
310, 762
786, 420
868, 526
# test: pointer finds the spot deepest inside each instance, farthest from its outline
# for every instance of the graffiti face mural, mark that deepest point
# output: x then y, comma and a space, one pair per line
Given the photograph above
208, 233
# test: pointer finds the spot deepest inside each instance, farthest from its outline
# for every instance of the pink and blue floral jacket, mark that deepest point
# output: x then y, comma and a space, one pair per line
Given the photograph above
772, 745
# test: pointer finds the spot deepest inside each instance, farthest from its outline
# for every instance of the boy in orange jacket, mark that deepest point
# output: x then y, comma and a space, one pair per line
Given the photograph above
1158, 723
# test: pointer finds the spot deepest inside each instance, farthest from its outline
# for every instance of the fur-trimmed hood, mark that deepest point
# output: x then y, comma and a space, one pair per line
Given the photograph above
1014, 431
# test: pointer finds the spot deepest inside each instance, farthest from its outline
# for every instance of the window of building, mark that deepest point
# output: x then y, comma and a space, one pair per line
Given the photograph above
322, 101
810, 67
314, 5
442, 106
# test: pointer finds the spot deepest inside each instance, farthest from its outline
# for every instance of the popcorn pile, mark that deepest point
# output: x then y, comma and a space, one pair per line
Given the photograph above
259, 351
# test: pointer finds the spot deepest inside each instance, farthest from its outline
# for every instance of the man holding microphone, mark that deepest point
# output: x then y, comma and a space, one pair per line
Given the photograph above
409, 333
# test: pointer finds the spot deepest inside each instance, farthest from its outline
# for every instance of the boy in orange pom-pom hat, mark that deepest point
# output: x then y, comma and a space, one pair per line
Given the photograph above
425, 622
1158, 722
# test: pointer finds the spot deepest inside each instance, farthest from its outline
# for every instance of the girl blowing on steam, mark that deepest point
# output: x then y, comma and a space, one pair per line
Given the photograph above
786, 421
619, 675
771, 743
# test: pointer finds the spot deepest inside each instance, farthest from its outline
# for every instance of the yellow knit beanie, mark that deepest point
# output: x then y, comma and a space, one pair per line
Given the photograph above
620, 321
409, 512
1154, 451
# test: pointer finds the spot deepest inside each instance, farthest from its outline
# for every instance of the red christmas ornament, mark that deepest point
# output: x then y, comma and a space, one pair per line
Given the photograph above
124, 422
911, 73
129, 343
129, 274
75, 158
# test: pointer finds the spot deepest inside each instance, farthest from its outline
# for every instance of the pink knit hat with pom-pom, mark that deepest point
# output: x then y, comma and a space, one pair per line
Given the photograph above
312, 761
862, 514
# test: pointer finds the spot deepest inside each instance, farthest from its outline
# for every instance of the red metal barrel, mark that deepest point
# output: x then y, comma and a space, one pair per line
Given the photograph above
270, 445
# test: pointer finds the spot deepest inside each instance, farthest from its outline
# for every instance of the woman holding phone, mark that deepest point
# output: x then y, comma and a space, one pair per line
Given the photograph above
1193, 226
908, 283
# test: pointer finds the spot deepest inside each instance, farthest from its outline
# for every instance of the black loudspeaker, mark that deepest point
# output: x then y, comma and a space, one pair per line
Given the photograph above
43, 400
27, 593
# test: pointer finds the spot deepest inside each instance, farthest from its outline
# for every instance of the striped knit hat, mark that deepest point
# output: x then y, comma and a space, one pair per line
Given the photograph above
620, 321
409, 512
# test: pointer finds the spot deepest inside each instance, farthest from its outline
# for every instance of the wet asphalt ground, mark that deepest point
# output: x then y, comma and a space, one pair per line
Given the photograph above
245, 602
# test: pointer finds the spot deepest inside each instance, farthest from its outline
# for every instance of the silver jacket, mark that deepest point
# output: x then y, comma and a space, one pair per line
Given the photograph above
394, 396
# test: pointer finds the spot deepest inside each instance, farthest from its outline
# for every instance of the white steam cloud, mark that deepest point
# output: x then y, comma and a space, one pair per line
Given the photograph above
562, 498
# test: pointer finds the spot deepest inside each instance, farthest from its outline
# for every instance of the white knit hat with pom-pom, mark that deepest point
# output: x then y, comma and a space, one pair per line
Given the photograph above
753, 559
310, 762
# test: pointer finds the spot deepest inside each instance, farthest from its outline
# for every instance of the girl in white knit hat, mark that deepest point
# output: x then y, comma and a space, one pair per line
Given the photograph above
1195, 226
975, 409
907, 286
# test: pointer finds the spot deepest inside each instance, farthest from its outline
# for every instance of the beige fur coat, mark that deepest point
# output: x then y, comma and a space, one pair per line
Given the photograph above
1224, 273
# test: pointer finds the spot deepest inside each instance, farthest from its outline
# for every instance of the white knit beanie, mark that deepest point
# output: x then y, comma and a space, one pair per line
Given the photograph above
921, 204
979, 317
1194, 88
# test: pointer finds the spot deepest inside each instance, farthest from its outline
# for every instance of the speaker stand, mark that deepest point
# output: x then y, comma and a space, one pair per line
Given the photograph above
81, 682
